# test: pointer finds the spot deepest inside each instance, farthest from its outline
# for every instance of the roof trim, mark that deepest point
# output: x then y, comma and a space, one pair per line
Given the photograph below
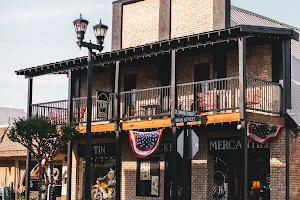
160, 47
264, 17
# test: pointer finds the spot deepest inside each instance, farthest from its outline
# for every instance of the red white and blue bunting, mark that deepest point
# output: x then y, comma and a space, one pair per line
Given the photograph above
144, 144
262, 133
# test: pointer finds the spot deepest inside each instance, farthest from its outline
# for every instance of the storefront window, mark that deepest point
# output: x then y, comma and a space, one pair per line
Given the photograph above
147, 178
103, 178
229, 170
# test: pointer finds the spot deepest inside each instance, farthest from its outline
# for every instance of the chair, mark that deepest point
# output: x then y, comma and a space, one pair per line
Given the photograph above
206, 102
254, 95
78, 114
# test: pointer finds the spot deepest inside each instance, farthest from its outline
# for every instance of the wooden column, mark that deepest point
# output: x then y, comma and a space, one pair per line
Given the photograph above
117, 130
28, 160
174, 128
286, 103
243, 105
69, 121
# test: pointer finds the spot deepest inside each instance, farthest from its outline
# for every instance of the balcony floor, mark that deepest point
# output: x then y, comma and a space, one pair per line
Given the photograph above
166, 122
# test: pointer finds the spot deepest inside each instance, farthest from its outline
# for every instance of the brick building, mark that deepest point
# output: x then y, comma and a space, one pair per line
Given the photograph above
230, 67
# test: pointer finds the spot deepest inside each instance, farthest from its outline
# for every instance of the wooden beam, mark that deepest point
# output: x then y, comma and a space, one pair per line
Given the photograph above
98, 128
242, 76
266, 119
166, 122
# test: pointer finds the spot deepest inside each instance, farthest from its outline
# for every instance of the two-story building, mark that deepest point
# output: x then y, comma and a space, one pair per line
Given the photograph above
228, 66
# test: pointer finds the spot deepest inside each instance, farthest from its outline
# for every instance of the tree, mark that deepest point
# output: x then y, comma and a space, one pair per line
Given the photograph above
44, 139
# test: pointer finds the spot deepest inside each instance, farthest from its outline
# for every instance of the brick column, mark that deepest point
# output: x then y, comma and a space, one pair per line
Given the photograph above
277, 168
202, 172
74, 168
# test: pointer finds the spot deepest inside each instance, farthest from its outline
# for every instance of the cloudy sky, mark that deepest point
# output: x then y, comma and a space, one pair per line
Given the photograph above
38, 32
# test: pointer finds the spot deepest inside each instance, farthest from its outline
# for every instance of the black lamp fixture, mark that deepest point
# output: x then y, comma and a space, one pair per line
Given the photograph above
100, 30
80, 26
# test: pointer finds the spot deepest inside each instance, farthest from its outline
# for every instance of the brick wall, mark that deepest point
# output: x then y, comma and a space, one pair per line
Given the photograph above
191, 17
101, 81
74, 181
140, 23
294, 166
186, 67
146, 75
258, 62
128, 178
277, 168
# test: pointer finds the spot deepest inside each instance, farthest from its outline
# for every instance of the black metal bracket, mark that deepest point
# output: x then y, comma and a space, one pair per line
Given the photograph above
90, 45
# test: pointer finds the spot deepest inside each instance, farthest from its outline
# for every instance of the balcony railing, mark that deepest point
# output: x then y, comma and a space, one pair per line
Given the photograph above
101, 108
56, 111
152, 102
209, 96
263, 96
204, 97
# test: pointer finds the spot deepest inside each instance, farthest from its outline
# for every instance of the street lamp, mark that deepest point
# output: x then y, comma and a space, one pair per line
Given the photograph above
100, 30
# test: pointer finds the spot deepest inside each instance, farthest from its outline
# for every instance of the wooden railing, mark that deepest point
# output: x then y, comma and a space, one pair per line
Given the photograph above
204, 97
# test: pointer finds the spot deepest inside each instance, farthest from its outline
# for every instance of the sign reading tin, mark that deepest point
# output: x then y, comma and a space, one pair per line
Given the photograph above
231, 143
98, 150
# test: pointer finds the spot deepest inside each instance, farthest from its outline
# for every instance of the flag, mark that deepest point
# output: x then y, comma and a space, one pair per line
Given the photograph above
262, 133
144, 144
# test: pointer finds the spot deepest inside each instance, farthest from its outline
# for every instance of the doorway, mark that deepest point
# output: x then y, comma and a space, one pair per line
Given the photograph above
130, 98
180, 182
229, 170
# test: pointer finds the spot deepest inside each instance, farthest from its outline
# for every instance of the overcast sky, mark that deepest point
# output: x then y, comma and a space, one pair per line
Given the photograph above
38, 32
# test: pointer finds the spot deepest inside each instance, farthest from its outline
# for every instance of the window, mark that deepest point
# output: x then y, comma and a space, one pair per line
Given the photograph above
147, 178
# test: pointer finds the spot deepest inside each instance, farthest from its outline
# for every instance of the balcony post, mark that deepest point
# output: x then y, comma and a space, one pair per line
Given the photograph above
88, 136
111, 91
243, 104
69, 121
286, 104
117, 130
28, 160
174, 128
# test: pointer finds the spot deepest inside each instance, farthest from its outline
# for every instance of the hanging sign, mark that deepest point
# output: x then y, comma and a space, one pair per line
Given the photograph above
144, 144
262, 133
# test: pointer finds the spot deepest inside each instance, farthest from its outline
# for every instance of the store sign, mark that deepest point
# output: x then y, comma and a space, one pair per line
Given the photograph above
98, 150
232, 143
165, 147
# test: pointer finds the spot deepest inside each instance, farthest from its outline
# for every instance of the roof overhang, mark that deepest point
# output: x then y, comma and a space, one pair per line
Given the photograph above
186, 42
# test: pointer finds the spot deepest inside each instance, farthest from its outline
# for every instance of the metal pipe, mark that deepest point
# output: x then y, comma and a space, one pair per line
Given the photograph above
69, 152
28, 160
287, 161
88, 136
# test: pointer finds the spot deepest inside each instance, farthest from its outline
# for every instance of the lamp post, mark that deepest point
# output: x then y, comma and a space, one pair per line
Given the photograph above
100, 32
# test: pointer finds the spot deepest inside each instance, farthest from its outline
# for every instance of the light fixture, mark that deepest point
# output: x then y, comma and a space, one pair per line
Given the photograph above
80, 26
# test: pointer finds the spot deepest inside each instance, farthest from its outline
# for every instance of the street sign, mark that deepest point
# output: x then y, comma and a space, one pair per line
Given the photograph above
188, 119
183, 113
193, 143
180, 144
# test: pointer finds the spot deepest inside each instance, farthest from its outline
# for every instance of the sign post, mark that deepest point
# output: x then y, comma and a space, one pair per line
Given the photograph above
187, 145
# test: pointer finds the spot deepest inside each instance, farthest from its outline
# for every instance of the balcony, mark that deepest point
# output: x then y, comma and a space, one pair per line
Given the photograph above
57, 111
206, 98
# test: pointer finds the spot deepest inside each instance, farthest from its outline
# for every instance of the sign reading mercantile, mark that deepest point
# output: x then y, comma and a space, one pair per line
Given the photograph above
231, 143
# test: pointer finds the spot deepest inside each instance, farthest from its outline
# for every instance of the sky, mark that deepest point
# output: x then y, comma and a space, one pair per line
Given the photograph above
39, 32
